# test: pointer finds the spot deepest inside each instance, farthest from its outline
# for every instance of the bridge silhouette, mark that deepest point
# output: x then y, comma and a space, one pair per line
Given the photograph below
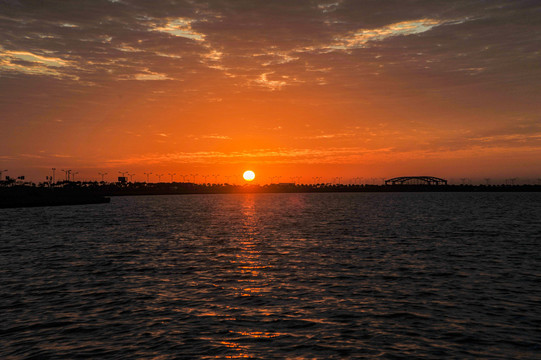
416, 180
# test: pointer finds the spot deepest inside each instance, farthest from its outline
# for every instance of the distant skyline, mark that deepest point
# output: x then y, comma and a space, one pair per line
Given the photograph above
284, 88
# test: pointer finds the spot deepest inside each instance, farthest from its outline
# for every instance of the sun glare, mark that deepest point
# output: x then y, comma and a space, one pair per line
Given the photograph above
248, 175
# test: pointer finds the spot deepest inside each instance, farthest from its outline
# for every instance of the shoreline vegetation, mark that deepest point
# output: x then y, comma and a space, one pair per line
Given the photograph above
78, 193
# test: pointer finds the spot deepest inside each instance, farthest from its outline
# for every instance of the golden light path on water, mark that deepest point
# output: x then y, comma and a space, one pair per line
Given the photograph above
251, 278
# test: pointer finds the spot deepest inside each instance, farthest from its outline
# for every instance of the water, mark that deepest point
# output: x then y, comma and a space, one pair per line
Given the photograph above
362, 275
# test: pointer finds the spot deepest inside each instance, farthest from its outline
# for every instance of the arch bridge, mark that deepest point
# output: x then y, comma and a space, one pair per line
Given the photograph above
416, 180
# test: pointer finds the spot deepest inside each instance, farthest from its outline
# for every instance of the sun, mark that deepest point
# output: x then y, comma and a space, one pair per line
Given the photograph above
248, 175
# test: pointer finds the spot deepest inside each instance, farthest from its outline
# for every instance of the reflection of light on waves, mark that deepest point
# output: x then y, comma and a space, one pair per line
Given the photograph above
235, 346
249, 257
241, 349
249, 263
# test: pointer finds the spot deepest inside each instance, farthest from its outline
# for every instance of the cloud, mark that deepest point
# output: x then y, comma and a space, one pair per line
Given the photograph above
362, 37
262, 156
33, 63
329, 7
328, 136
151, 76
34, 58
346, 155
246, 41
217, 137
271, 84
181, 27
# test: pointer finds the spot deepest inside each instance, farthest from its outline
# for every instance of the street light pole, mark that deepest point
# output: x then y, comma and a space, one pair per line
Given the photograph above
67, 172
171, 176
147, 174
102, 175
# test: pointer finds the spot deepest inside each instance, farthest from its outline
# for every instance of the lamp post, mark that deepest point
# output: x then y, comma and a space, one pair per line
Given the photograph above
67, 172
193, 177
173, 174
131, 177
102, 175
52, 179
73, 176
147, 174
159, 177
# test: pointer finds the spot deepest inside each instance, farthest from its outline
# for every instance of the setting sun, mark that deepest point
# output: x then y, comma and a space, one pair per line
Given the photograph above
248, 175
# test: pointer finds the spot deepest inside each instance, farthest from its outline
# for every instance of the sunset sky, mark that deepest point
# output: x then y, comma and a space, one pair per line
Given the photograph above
364, 88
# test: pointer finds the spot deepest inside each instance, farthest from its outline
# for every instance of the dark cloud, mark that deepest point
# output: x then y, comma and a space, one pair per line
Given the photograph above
120, 36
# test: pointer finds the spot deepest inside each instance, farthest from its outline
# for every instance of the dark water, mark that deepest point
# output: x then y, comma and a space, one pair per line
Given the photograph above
398, 275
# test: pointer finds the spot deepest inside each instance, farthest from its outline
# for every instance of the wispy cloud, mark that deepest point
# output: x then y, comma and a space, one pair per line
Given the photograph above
362, 37
271, 84
34, 64
327, 136
217, 137
263, 155
146, 76
508, 138
181, 27
35, 58
329, 7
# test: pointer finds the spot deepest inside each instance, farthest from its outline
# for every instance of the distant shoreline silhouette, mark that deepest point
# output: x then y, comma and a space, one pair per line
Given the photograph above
76, 193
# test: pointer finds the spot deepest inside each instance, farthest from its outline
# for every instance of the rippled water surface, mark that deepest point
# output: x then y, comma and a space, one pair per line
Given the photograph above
395, 275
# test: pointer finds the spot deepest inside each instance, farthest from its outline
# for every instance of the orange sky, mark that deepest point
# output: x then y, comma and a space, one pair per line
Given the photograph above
307, 88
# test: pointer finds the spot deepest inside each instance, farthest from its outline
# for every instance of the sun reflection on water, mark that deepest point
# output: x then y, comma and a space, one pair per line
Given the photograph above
251, 278
250, 267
